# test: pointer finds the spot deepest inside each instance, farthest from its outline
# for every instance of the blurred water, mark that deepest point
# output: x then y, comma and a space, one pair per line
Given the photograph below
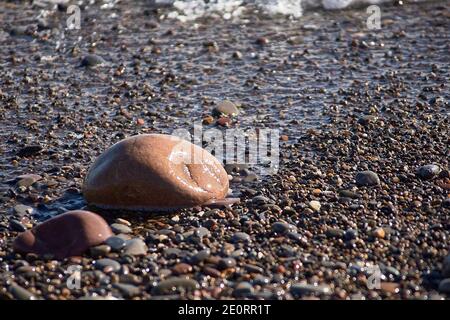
188, 10
228, 9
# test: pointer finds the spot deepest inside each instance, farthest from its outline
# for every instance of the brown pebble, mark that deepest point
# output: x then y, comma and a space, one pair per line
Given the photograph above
182, 268
211, 272
69, 234
379, 233
224, 122
208, 120
262, 41
389, 287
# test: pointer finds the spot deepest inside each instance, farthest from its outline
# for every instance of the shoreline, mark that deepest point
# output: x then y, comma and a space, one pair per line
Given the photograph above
347, 99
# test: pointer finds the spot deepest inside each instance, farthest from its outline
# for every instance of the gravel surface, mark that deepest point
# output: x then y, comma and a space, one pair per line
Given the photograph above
363, 187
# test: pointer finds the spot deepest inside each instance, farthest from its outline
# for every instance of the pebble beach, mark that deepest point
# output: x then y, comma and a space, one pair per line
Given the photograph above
362, 188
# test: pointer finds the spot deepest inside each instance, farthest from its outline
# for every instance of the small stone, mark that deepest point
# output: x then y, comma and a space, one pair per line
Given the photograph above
348, 194
182, 268
262, 41
367, 178
444, 286
295, 236
334, 233
100, 251
15, 225
379, 233
127, 290
315, 205
389, 287
446, 267
201, 256
172, 253
208, 120
22, 210
237, 55
135, 247
294, 40
226, 263
123, 221
175, 284
428, 171
224, 122
29, 151
259, 200
27, 180
283, 227
101, 264
240, 237
116, 243
250, 177
300, 289
21, 293
227, 108
120, 228
140, 122
88, 297
202, 232
92, 60
350, 234
253, 269
212, 272
261, 280
243, 289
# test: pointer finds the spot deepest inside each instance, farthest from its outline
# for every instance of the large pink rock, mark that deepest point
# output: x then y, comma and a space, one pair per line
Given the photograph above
69, 234
155, 172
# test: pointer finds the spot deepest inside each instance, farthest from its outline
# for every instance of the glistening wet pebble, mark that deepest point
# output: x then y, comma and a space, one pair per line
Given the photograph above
346, 100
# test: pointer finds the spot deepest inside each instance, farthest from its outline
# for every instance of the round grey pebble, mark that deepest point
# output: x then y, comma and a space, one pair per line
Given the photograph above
300, 289
175, 284
100, 251
428, 171
15, 225
92, 60
227, 108
444, 286
283, 227
200, 256
367, 178
226, 263
446, 267
116, 243
335, 233
243, 289
21, 293
350, 234
22, 210
120, 228
103, 263
202, 232
240, 237
127, 290
135, 247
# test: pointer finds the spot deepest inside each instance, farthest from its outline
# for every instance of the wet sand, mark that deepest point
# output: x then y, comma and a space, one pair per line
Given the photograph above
347, 99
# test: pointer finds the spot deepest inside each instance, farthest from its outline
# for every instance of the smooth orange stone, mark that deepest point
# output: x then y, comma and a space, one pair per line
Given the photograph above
66, 235
155, 172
